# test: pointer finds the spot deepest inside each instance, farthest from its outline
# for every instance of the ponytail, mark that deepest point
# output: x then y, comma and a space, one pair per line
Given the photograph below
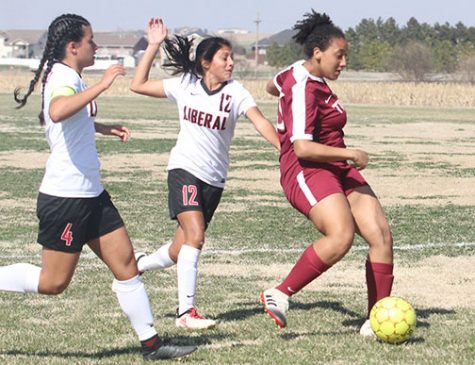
178, 51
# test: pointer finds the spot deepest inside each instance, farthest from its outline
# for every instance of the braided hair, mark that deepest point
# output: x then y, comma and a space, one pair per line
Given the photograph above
178, 51
316, 31
65, 28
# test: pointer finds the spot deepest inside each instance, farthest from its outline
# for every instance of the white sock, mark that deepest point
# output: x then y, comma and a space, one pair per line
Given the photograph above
22, 278
160, 259
133, 300
187, 272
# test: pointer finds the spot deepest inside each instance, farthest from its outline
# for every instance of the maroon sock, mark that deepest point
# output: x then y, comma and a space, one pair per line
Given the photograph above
379, 279
307, 268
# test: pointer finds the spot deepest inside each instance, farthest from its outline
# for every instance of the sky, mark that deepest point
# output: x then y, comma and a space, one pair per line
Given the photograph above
212, 15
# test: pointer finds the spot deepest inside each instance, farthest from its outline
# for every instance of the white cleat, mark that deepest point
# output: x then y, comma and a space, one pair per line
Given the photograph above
276, 305
192, 320
366, 330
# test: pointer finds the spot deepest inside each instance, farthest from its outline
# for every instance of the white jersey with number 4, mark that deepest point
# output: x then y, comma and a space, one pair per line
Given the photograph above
73, 168
207, 122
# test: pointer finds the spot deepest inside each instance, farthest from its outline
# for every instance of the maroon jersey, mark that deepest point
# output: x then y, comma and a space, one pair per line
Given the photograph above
308, 110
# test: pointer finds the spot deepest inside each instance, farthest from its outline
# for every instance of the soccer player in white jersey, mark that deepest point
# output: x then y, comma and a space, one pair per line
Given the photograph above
316, 176
209, 104
73, 207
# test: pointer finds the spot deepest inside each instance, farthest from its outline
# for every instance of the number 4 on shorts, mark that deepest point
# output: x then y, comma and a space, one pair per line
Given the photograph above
67, 235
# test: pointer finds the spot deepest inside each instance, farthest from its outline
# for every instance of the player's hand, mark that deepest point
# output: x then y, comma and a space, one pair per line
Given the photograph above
360, 159
111, 74
113, 130
120, 131
157, 31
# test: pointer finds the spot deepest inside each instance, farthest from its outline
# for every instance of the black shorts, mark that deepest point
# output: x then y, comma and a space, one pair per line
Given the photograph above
186, 192
67, 224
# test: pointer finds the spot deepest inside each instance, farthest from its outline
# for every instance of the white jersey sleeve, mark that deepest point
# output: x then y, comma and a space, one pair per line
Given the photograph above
245, 100
60, 80
173, 86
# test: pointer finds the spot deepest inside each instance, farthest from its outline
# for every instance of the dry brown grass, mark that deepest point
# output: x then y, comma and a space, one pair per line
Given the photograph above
390, 93
446, 94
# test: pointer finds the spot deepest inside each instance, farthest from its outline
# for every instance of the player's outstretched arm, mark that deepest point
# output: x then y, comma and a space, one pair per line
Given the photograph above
65, 106
263, 126
141, 84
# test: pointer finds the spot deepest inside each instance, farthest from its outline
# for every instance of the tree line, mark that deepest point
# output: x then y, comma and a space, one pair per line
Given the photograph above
415, 50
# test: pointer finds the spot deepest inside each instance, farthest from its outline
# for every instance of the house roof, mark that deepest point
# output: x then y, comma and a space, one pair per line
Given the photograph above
29, 36
118, 39
187, 31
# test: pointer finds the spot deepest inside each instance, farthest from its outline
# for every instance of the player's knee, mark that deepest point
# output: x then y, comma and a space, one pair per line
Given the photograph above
345, 237
195, 238
198, 244
344, 246
380, 236
342, 241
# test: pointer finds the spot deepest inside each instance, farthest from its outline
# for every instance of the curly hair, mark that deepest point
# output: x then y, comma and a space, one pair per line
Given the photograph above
316, 31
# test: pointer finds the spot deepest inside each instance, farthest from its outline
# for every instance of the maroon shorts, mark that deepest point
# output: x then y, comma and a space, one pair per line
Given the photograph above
311, 185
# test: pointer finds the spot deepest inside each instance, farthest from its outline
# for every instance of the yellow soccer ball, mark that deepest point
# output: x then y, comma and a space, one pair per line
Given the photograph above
393, 320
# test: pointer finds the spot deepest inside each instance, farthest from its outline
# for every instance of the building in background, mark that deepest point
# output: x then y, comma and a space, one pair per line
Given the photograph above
22, 43
25, 47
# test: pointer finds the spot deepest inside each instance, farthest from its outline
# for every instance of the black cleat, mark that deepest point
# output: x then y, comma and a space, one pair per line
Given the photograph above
163, 352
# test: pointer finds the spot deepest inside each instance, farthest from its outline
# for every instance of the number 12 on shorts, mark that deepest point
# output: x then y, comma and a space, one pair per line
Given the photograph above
189, 195
67, 235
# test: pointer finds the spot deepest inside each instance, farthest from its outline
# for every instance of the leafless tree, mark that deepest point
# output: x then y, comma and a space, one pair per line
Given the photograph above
412, 61
466, 69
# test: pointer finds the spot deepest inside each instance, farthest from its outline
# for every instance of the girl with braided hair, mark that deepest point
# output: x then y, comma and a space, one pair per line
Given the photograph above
209, 104
73, 208
315, 175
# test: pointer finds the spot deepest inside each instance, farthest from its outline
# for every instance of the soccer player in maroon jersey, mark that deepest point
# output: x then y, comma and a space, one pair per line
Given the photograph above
316, 176
209, 104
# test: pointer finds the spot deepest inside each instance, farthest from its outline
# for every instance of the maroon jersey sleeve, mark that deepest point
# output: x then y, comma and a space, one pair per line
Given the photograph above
298, 106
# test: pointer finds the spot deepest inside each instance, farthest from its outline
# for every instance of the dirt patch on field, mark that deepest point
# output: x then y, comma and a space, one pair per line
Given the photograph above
23, 159
17, 203
438, 281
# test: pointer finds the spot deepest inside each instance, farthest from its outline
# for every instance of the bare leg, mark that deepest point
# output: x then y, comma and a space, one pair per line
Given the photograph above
57, 270
332, 217
373, 226
52, 278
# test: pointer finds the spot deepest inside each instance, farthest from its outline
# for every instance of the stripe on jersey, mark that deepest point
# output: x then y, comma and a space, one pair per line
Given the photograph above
299, 113
306, 190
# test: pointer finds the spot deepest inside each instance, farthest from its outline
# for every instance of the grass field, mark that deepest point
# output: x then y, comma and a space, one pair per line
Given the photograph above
422, 165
